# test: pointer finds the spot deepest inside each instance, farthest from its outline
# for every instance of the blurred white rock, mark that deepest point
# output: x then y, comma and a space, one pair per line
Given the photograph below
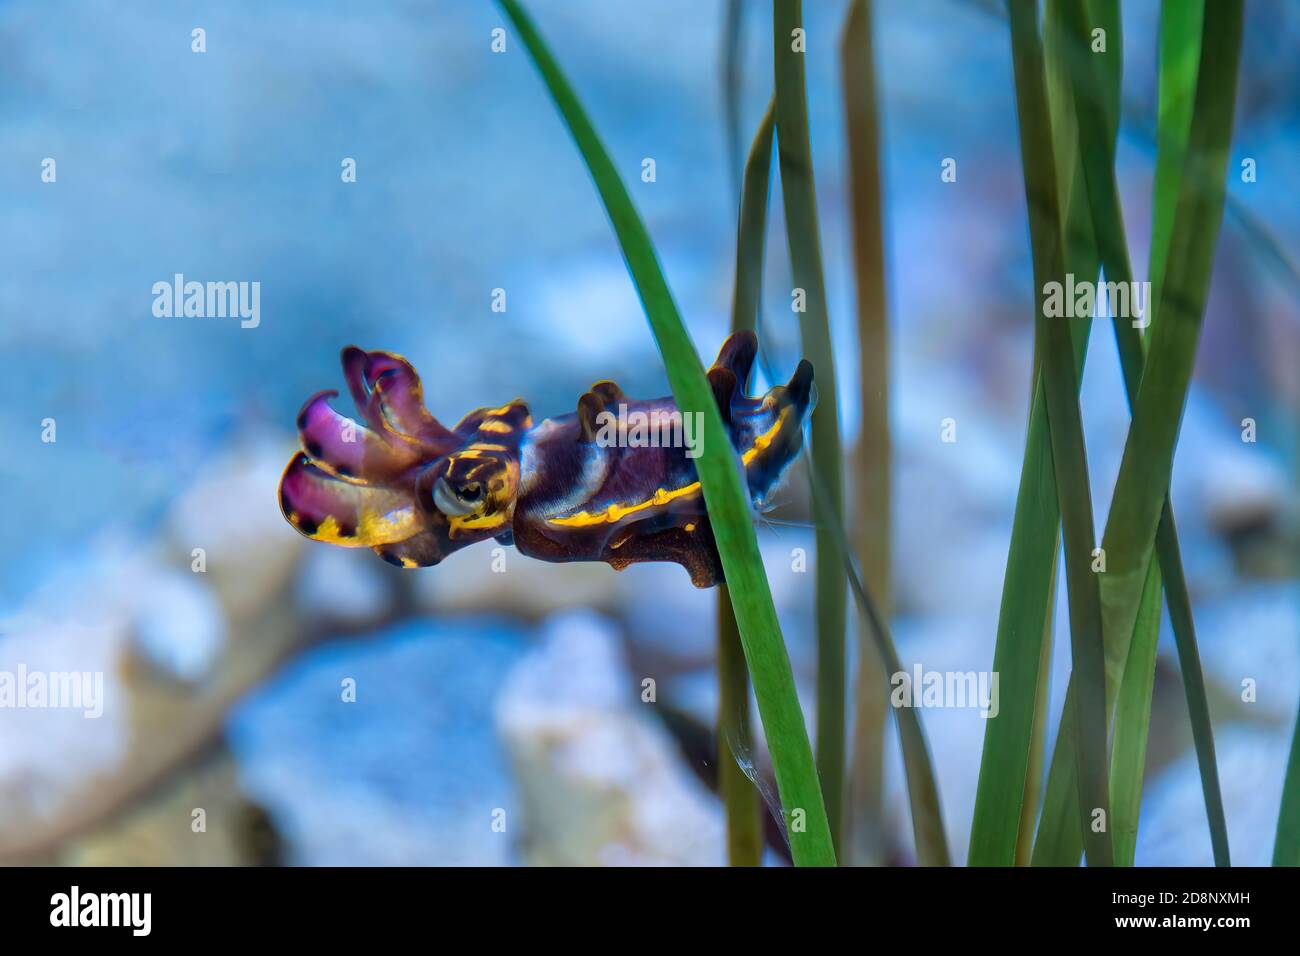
1220, 485
656, 599
601, 781
121, 598
669, 614
178, 624
954, 734
952, 506
1254, 635
248, 550
409, 772
497, 577
1252, 762
1243, 488
47, 753
343, 583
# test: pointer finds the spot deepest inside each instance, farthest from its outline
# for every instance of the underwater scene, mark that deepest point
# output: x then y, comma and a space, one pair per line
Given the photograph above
590, 433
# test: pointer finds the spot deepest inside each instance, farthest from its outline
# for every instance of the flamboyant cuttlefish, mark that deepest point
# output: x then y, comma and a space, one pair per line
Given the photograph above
568, 489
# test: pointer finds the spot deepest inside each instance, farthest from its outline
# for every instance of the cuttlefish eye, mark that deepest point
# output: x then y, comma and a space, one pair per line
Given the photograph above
457, 501
473, 488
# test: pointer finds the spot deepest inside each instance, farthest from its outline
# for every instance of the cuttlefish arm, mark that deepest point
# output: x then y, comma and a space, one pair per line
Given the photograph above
371, 483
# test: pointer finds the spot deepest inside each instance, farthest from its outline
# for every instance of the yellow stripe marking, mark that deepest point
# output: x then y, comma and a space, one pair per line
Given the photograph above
374, 528
764, 440
475, 522
617, 512
479, 450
